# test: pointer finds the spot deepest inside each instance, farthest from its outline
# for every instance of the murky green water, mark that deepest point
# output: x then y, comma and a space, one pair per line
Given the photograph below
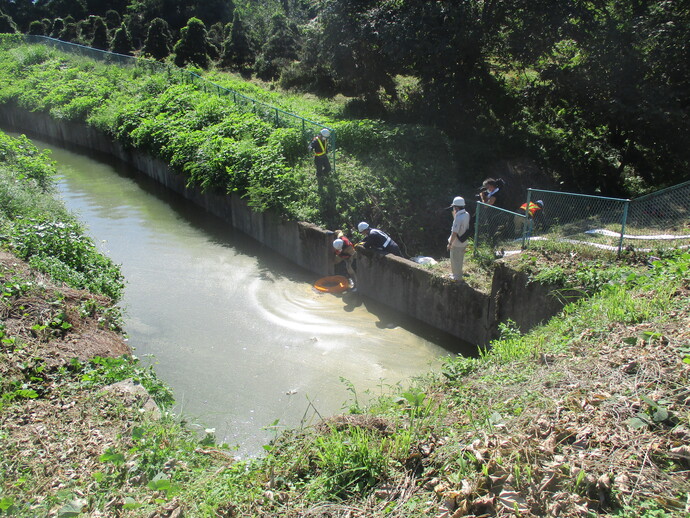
238, 333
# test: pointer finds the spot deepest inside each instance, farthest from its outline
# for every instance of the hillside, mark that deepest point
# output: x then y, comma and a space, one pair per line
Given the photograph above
222, 147
587, 414
595, 93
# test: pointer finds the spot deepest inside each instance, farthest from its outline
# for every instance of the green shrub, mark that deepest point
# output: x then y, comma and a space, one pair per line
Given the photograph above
289, 142
225, 147
62, 249
30, 163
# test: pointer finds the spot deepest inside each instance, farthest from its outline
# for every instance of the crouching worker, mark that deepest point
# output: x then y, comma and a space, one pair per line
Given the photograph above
345, 252
378, 239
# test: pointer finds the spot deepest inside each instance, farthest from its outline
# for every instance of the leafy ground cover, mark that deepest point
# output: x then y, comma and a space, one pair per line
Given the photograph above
586, 415
222, 147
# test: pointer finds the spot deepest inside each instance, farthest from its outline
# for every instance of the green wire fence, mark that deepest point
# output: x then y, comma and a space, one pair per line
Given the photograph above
651, 223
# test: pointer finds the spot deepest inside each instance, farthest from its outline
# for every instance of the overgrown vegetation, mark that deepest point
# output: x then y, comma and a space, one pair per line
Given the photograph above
39, 230
221, 147
586, 414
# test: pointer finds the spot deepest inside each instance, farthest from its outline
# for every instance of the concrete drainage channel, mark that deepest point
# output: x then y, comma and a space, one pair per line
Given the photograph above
405, 286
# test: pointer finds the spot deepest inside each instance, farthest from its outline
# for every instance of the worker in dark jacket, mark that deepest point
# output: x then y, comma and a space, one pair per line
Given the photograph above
491, 194
378, 239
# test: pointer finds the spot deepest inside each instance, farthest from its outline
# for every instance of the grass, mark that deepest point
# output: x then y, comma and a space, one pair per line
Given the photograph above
503, 417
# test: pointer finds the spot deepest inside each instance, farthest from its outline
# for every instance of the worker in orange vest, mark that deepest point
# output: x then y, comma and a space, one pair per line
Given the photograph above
533, 214
319, 146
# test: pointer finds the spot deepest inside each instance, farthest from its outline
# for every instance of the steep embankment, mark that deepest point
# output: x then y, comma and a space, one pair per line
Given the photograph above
587, 414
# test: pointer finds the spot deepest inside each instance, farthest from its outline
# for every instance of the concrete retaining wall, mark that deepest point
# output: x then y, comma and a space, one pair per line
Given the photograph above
454, 308
404, 285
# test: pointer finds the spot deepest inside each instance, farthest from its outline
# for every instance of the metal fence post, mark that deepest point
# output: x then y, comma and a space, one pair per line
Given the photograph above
626, 204
476, 229
526, 224
334, 147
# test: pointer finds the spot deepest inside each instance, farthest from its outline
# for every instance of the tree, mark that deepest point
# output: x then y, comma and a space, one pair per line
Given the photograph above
279, 50
7, 25
101, 7
192, 47
85, 29
137, 29
56, 29
158, 40
69, 32
175, 12
63, 8
216, 34
100, 39
22, 12
36, 28
214, 11
237, 51
122, 42
352, 45
608, 107
112, 19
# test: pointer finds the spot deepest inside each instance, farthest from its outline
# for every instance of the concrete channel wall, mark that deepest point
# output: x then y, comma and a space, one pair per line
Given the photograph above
457, 309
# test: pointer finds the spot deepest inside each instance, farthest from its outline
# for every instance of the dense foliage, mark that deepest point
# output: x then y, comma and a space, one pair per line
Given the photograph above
597, 92
38, 228
222, 147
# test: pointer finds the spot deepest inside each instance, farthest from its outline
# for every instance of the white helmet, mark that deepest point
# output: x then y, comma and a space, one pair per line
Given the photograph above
458, 201
325, 133
363, 226
338, 244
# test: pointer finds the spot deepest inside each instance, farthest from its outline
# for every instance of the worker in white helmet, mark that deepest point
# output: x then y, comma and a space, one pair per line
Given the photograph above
459, 232
345, 252
378, 239
319, 147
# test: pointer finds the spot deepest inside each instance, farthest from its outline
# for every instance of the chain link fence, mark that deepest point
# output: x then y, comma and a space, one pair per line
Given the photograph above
498, 229
659, 220
654, 222
575, 219
279, 118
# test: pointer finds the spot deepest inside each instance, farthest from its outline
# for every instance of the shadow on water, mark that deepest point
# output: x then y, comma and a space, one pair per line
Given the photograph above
271, 266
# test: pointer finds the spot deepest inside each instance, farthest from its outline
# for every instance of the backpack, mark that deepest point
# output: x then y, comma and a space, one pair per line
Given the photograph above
470, 230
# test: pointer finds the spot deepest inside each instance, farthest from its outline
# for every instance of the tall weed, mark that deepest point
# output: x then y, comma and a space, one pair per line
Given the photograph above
349, 462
